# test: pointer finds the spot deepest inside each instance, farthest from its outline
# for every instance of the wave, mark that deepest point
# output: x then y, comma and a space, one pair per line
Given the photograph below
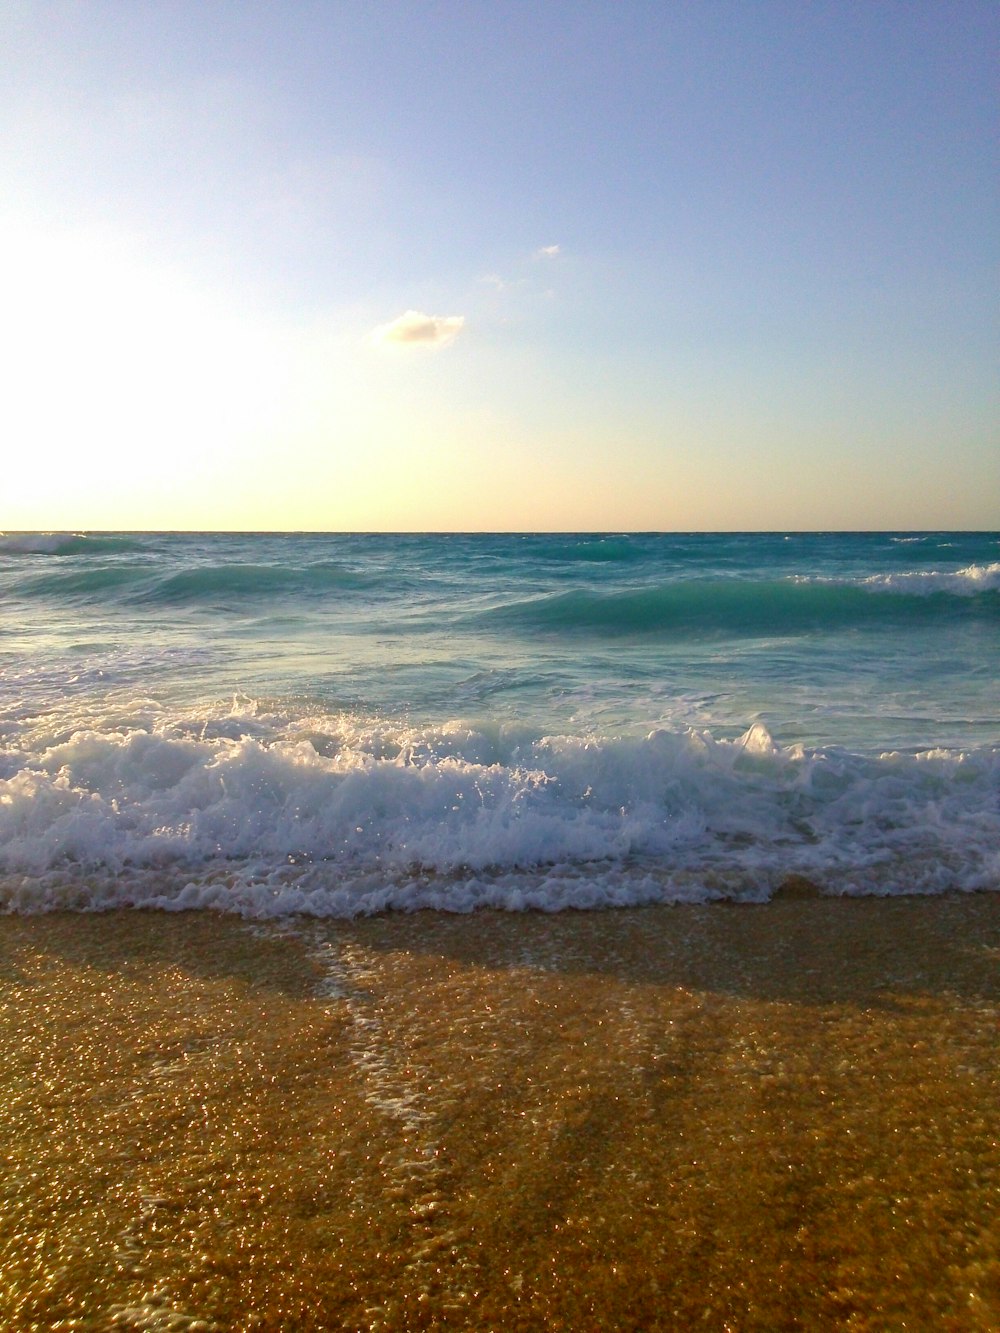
144, 583
65, 543
741, 606
78, 583
266, 815
249, 580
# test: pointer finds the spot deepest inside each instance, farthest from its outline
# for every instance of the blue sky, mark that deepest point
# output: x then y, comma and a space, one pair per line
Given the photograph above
676, 266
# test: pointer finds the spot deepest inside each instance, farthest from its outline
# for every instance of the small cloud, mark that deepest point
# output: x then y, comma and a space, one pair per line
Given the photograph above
496, 283
547, 252
416, 328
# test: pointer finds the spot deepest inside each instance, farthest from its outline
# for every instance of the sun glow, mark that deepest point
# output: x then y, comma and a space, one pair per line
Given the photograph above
122, 379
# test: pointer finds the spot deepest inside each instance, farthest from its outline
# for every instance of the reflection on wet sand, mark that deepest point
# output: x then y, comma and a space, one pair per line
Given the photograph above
723, 1117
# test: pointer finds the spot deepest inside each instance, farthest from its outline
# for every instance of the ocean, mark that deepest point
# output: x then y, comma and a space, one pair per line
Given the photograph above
343, 724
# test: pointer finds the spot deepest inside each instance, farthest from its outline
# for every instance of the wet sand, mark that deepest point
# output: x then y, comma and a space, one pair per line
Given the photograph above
773, 1117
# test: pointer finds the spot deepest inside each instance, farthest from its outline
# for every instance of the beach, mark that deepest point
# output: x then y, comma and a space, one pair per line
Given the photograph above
771, 1116
499, 624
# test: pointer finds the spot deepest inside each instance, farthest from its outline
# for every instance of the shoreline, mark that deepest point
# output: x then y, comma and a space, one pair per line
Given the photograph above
748, 1116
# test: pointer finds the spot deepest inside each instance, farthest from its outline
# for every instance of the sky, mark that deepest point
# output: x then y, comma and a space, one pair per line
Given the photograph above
521, 266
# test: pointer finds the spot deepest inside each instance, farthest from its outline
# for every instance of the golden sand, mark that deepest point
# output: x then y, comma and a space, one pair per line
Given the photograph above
714, 1118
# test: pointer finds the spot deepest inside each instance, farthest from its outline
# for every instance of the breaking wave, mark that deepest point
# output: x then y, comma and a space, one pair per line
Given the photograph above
265, 815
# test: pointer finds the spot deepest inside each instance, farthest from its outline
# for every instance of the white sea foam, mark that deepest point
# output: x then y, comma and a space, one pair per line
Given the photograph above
965, 582
264, 815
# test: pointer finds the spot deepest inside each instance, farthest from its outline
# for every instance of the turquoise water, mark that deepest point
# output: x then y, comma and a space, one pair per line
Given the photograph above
339, 723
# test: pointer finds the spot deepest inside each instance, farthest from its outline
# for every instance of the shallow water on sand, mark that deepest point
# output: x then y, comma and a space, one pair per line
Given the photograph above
752, 1118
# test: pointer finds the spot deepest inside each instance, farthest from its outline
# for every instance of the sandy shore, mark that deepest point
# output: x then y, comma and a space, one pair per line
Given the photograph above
733, 1118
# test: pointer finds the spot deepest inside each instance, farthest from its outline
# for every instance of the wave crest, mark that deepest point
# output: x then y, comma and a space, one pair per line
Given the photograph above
923, 583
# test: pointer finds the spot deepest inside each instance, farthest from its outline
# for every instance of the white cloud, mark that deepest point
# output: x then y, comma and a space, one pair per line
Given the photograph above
547, 252
415, 328
497, 283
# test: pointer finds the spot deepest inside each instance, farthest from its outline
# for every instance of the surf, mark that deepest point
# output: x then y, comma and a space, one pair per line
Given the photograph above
270, 813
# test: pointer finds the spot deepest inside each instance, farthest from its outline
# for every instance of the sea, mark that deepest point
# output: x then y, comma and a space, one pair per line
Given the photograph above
340, 724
